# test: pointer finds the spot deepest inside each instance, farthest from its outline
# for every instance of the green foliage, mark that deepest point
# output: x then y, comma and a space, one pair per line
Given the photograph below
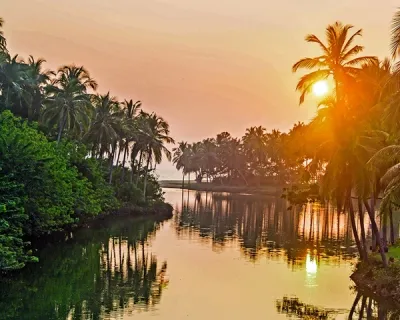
43, 187
13, 254
130, 193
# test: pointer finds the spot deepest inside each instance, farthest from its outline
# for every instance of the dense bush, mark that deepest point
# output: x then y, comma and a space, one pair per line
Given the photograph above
44, 186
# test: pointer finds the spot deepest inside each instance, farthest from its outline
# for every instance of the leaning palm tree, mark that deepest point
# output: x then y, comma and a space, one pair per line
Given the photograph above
338, 59
68, 105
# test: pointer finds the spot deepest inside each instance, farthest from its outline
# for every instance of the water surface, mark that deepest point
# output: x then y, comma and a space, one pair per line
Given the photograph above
221, 256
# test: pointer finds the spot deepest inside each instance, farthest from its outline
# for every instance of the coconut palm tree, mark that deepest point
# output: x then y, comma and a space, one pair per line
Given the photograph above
36, 79
156, 138
3, 41
130, 122
255, 144
344, 123
105, 128
180, 158
12, 76
69, 104
338, 59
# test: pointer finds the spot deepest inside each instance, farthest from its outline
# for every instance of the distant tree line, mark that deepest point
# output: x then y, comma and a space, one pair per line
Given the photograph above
351, 148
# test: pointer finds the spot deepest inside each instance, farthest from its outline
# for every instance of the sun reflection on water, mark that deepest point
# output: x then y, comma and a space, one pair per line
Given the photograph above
311, 265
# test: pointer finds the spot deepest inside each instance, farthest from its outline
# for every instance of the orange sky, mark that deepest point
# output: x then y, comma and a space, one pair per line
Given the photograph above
206, 66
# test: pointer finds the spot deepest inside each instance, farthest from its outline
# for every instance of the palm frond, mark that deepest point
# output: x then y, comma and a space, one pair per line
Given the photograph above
395, 34
313, 38
358, 33
390, 174
361, 60
310, 63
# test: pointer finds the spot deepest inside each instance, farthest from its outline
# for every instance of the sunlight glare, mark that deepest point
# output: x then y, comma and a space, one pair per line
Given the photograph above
320, 88
311, 265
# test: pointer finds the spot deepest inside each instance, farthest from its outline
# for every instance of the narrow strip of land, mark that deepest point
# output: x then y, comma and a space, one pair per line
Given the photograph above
204, 186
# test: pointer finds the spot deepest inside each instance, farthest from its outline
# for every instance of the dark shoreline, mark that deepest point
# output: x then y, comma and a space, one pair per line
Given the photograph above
209, 187
159, 211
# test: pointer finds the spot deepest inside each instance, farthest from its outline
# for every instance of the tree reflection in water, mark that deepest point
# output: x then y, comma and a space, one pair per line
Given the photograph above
264, 226
293, 307
363, 307
100, 273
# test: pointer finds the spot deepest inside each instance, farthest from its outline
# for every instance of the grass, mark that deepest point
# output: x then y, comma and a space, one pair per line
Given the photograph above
204, 186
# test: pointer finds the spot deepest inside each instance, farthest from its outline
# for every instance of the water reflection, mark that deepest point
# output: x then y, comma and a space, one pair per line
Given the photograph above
364, 307
264, 227
294, 308
101, 273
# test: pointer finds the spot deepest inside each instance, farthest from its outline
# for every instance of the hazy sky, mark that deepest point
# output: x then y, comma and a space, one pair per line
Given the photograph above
206, 66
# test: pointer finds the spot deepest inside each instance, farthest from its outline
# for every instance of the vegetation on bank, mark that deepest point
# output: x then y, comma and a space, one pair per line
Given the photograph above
68, 153
349, 153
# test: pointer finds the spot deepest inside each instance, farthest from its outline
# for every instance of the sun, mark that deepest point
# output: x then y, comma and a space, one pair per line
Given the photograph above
320, 88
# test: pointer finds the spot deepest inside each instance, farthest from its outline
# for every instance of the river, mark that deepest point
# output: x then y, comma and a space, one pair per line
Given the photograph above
221, 256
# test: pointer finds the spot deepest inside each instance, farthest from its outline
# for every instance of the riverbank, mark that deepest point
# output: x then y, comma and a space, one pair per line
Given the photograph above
156, 211
204, 186
382, 283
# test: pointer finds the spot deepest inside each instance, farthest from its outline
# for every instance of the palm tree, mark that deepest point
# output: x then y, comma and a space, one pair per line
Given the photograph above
255, 144
180, 158
3, 42
68, 105
156, 135
36, 81
395, 34
130, 123
338, 59
347, 138
11, 81
105, 129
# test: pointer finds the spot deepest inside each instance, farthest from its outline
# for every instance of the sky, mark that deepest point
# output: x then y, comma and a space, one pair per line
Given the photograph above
206, 66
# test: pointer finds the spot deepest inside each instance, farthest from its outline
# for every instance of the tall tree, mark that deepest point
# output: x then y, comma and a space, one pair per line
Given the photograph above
68, 106
338, 59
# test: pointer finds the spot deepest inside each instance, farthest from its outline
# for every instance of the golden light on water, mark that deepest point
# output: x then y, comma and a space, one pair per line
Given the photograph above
320, 88
311, 265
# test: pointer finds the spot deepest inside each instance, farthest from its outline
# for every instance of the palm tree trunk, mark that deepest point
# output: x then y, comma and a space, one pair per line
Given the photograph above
362, 227
112, 162
123, 163
145, 176
354, 226
374, 239
391, 222
119, 154
384, 228
183, 180
61, 129
377, 233
138, 167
